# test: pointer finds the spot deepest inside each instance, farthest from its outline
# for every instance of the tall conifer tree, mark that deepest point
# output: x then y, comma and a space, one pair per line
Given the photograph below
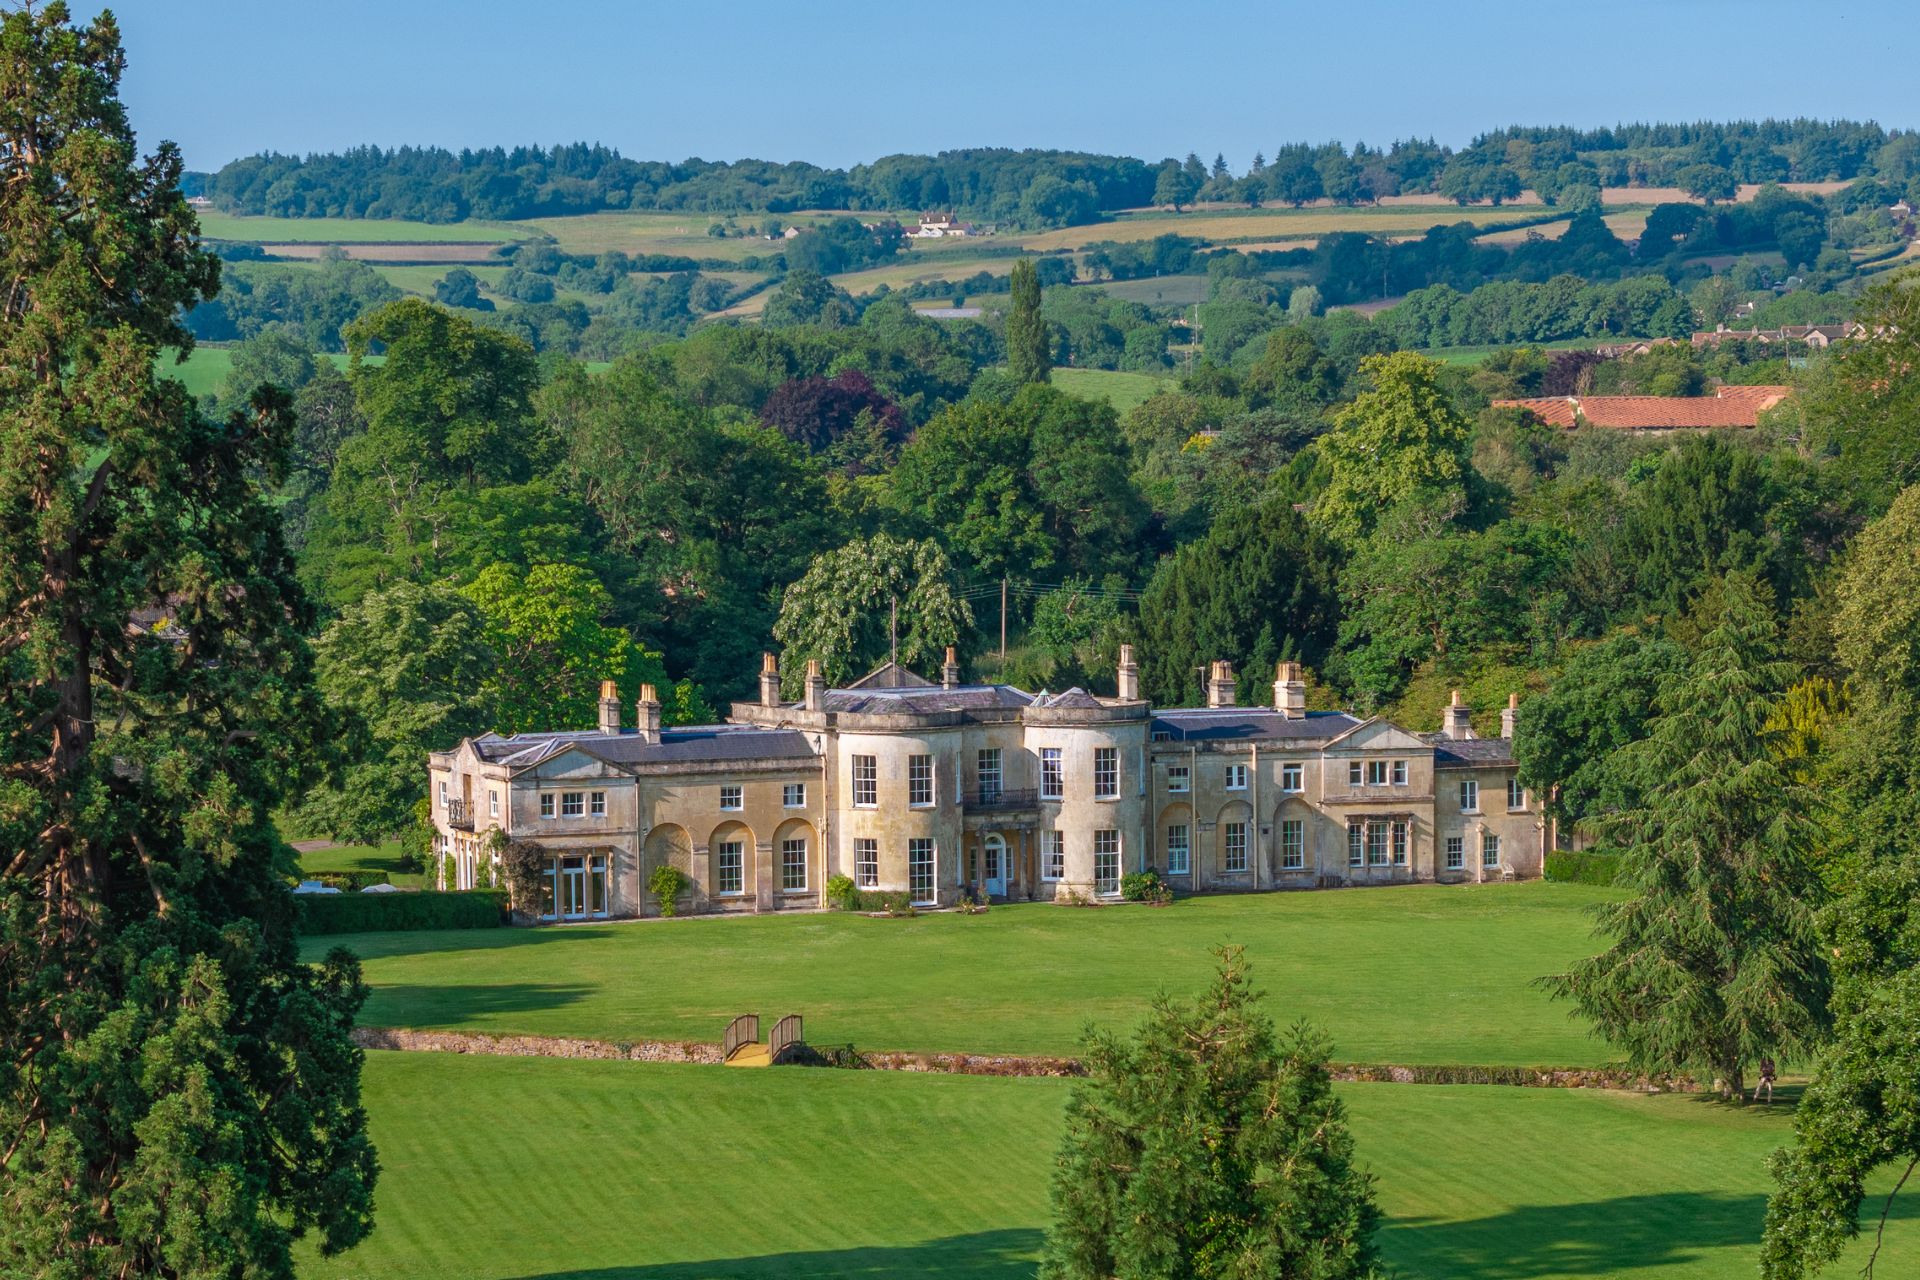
179, 1096
1029, 352
1714, 961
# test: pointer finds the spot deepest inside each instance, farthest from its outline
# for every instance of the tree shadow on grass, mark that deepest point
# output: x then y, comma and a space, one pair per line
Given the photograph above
1603, 1237
985, 1255
405, 1005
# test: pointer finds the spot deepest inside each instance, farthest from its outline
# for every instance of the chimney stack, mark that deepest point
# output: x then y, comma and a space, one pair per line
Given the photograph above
1129, 675
1458, 722
1290, 692
950, 670
1220, 685
1509, 715
609, 707
816, 686
649, 709
769, 680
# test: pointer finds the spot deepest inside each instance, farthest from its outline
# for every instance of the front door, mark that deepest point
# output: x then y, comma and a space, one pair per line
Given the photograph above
994, 867
573, 889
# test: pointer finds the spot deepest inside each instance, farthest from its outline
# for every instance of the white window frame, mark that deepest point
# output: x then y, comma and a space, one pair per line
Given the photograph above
1106, 773
1469, 796
1293, 777
1053, 778
788, 848
1293, 844
1399, 773
733, 797
1356, 843
1489, 851
1399, 842
793, 795
493, 802
1377, 840
1516, 795
1053, 855
1236, 777
737, 851
866, 863
1233, 847
1353, 773
1179, 780
1106, 853
443, 793
989, 776
920, 784
573, 804
1179, 849
1456, 853
1376, 773
546, 806
596, 804
866, 782
917, 846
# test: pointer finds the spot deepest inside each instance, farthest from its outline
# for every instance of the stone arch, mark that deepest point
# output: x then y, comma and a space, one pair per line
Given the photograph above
1233, 811
816, 870
669, 845
1178, 813
718, 886
1313, 828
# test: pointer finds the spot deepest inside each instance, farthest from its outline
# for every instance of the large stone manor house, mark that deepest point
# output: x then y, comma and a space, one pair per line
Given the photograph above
936, 790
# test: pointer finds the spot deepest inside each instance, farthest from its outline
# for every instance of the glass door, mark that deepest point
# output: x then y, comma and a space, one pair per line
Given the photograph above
573, 889
995, 852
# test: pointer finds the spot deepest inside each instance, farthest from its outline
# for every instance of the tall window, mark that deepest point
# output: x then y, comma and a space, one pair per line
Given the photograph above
1053, 855
1052, 780
1235, 856
1376, 773
1356, 845
866, 863
1106, 862
1292, 777
1353, 773
1516, 794
597, 804
731, 798
493, 804
793, 795
1456, 853
989, 771
920, 780
1177, 779
1293, 845
1179, 850
1399, 844
1376, 844
573, 804
443, 793
866, 782
920, 878
1106, 773
1489, 850
1399, 773
793, 865
730, 872
546, 804
1469, 796
1236, 777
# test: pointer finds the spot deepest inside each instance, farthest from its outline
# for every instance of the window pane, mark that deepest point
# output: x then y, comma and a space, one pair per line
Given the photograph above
1179, 849
1456, 853
793, 865
1106, 862
1293, 844
866, 863
920, 780
866, 786
1356, 850
1236, 847
1051, 780
1106, 773
1054, 855
731, 872
920, 872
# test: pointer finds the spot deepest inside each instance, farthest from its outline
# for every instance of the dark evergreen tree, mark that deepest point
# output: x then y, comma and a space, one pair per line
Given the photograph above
1714, 961
1029, 349
179, 1095
1205, 1147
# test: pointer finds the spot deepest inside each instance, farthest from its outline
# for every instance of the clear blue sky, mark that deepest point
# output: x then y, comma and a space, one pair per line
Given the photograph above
838, 83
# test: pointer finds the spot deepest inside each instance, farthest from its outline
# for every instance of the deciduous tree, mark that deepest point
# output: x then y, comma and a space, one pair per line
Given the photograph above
1399, 438
841, 611
1029, 348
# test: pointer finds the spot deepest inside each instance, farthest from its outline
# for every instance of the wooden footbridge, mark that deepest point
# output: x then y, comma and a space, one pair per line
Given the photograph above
743, 1047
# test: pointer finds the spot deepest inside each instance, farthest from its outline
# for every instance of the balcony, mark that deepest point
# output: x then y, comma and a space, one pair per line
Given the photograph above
460, 815
1000, 800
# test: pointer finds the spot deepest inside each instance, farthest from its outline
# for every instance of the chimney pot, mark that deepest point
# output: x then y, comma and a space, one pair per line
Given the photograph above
609, 707
1509, 716
648, 708
1458, 722
816, 686
1127, 677
950, 670
1220, 689
1289, 692
769, 680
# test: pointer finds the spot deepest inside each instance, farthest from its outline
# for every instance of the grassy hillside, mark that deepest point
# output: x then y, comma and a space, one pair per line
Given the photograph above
226, 226
1424, 973
1121, 390
504, 1167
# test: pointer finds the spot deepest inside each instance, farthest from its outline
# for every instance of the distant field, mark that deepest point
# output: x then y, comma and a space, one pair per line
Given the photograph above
1169, 291
444, 253
1475, 355
224, 226
208, 367
421, 279
1121, 390
684, 234
660, 1172
1424, 973
1270, 224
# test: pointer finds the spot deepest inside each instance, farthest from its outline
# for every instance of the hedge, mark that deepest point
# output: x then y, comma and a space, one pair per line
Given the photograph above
1583, 868
380, 912
352, 881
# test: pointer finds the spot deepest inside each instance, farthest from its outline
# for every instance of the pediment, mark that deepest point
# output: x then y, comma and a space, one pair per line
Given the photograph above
1378, 735
572, 764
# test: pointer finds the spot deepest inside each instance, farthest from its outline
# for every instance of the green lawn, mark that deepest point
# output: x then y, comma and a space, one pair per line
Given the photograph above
226, 226
1121, 390
1422, 973
208, 367
360, 857
504, 1167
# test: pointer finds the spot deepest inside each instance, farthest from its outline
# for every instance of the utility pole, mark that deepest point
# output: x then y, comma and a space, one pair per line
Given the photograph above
1003, 628
893, 633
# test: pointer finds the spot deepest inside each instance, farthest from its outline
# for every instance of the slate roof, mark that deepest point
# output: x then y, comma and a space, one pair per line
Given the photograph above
926, 699
1074, 699
1231, 724
1469, 753
685, 745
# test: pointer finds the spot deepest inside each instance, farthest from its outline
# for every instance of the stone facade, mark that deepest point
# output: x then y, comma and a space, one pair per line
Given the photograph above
941, 789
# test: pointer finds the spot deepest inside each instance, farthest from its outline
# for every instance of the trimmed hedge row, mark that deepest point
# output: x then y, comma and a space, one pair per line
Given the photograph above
380, 912
352, 881
1582, 868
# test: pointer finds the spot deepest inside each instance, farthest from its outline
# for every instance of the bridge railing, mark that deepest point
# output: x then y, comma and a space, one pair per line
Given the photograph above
787, 1033
744, 1029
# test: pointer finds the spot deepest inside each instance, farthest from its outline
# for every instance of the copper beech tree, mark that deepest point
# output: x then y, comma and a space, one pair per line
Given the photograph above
179, 1095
